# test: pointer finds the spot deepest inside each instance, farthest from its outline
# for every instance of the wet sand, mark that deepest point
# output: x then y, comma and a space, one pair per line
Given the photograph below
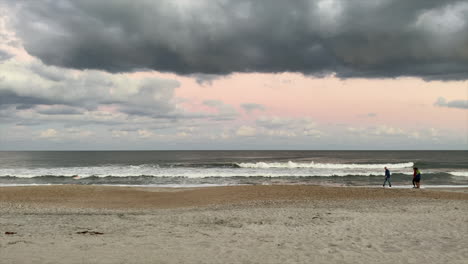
238, 224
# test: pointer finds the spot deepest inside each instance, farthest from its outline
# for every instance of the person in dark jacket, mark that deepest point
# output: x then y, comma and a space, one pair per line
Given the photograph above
387, 178
416, 178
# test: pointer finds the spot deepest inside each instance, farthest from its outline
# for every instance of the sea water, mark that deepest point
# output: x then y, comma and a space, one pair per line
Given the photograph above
214, 168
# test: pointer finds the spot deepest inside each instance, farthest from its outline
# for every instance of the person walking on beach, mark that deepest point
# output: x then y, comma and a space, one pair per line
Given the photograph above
387, 178
416, 178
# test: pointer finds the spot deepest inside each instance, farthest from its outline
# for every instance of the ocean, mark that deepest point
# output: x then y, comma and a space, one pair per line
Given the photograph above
219, 168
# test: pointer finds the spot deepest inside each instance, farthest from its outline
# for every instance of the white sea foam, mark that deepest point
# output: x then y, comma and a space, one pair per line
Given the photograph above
82, 172
259, 169
217, 185
411, 187
198, 172
26, 184
293, 165
459, 173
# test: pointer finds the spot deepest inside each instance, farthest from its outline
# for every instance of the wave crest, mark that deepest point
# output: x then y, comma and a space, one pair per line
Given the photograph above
293, 165
459, 173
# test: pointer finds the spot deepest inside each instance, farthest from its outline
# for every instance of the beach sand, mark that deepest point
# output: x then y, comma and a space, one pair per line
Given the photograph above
237, 224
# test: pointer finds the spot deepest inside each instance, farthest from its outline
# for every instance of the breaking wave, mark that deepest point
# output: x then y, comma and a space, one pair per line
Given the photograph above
459, 173
293, 165
259, 169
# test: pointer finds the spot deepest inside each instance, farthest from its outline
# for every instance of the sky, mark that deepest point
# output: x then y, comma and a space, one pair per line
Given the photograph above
233, 74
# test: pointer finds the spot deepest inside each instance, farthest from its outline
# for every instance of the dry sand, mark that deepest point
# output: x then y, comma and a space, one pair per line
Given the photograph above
242, 224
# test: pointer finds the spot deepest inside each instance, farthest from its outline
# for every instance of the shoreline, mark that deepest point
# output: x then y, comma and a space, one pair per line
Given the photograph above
443, 187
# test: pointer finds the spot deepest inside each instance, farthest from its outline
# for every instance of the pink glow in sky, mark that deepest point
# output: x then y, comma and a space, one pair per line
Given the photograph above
402, 102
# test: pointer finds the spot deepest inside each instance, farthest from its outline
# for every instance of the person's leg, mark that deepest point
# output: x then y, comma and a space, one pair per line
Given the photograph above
414, 183
384, 182
387, 180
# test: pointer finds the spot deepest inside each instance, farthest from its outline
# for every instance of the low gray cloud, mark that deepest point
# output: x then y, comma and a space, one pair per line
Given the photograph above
387, 38
214, 103
274, 122
203, 78
461, 104
21, 101
86, 89
32, 93
60, 110
250, 107
4, 55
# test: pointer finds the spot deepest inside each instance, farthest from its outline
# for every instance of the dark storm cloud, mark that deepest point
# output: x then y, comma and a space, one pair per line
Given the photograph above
387, 38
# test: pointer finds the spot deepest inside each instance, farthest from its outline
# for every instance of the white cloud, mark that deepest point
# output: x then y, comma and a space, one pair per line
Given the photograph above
273, 121
183, 134
119, 133
381, 130
49, 133
280, 133
246, 131
143, 133
225, 135
314, 133
288, 127
65, 134
385, 131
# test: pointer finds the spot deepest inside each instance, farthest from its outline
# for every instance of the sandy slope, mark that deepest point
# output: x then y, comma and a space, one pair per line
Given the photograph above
249, 224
